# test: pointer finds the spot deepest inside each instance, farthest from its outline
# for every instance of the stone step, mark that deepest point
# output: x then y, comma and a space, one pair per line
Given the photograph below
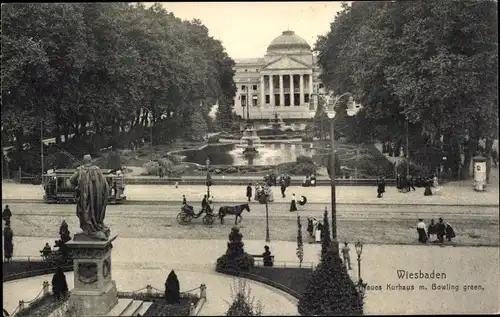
143, 309
132, 309
122, 305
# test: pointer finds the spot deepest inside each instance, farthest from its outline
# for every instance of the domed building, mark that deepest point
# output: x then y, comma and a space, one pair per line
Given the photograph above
281, 82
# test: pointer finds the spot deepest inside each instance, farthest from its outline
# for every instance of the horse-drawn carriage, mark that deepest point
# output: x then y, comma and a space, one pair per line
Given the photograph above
187, 214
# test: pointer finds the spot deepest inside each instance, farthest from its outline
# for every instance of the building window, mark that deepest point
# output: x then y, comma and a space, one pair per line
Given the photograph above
254, 87
287, 100
296, 99
268, 100
277, 100
243, 101
254, 101
320, 86
306, 97
243, 87
233, 102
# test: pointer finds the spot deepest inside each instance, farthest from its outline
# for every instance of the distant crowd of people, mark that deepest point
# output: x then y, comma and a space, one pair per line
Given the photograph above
408, 183
436, 232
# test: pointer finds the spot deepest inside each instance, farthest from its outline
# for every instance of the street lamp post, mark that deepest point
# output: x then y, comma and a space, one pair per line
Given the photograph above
359, 249
266, 195
331, 115
208, 177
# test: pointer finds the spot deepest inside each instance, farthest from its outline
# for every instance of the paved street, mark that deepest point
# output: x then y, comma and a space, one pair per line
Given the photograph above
448, 195
139, 261
371, 224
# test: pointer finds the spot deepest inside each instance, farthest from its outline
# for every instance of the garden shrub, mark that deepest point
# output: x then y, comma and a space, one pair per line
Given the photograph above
304, 169
235, 258
304, 159
231, 170
214, 138
151, 167
59, 284
243, 302
172, 289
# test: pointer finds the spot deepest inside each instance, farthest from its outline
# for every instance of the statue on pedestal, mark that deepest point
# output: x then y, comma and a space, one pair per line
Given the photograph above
91, 200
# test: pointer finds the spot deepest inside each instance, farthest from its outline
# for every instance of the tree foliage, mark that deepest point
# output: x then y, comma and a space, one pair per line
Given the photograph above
329, 290
432, 64
98, 70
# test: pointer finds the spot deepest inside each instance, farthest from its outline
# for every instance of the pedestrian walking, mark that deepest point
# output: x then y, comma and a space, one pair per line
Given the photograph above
380, 187
411, 183
441, 230
318, 232
421, 229
6, 215
345, 255
8, 246
450, 233
310, 228
283, 185
249, 192
293, 204
432, 231
184, 201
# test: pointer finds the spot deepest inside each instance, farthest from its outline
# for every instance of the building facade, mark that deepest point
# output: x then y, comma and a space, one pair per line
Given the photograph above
284, 81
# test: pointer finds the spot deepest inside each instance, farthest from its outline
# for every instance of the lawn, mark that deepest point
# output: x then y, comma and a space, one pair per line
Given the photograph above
292, 278
161, 308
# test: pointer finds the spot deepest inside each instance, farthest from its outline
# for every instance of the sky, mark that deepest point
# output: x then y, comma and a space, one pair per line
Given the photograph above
247, 28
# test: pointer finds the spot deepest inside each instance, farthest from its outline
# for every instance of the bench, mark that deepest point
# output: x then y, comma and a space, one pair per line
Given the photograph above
260, 256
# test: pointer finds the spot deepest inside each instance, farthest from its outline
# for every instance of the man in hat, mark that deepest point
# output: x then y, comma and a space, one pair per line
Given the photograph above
441, 230
6, 214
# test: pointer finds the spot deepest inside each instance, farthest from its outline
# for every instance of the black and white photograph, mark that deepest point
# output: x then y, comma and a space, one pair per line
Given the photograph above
310, 158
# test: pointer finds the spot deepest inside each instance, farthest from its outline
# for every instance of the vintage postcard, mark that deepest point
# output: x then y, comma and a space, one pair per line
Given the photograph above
250, 158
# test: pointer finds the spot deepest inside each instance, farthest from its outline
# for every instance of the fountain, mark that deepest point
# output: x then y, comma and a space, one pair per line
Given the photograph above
277, 124
250, 134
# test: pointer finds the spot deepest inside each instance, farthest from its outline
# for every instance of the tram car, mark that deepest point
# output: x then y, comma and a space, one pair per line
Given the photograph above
58, 189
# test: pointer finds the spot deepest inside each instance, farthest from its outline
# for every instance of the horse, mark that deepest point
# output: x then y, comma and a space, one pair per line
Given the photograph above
235, 210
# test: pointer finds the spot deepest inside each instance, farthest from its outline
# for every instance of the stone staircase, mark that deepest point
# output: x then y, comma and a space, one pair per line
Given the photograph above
129, 307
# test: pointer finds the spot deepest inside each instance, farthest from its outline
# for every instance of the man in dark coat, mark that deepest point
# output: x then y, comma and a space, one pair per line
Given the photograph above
381, 187
441, 230
204, 203
432, 230
283, 185
6, 214
249, 192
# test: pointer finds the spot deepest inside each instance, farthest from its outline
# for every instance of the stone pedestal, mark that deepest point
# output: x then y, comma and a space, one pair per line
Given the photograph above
95, 292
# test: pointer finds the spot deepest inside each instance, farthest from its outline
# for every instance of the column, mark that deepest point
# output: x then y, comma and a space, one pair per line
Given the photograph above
271, 90
301, 83
292, 103
311, 89
262, 93
282, 94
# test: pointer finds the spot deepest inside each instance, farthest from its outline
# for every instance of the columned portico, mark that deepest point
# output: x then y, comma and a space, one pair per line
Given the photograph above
301, 85
283, 79
282, 93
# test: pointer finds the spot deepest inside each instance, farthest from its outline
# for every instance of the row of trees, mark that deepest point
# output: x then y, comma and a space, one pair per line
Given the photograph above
105, 68
423, 66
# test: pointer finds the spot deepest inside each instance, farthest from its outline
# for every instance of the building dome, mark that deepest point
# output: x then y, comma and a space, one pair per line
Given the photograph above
288, 40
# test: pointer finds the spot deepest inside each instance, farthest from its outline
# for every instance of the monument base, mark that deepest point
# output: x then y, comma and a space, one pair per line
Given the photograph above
94, 303
95, 292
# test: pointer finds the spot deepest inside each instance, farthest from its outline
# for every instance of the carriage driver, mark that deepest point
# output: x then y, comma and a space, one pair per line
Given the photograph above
205, 204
